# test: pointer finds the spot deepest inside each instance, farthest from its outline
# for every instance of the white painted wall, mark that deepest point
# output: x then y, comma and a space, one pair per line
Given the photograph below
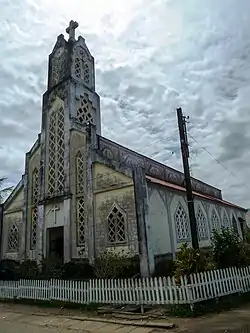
159, 224
162, 218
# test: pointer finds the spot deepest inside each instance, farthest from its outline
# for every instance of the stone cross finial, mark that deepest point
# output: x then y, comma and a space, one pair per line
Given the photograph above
71, 29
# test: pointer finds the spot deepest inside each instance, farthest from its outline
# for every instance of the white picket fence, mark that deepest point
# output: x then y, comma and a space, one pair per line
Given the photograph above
199, 287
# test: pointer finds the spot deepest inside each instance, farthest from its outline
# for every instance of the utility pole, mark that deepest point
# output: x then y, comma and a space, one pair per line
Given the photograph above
185, 156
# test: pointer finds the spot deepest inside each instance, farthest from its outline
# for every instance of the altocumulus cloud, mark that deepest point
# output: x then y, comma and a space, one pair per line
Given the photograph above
151, 57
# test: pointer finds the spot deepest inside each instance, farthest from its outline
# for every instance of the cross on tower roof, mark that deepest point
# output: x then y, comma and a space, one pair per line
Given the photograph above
71, 29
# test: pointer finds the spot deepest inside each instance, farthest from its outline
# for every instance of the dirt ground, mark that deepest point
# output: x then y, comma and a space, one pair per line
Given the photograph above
23, 318
8, 327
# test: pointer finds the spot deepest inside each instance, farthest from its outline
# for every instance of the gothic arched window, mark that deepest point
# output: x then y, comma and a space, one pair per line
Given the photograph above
34, 221
225, 220
78, 67
13, 238
116, 226
235, 225
34, 209
80, 222
182, 224
85, 110
80, 173
86, 73
35, 186
56, 152
201, 224
215, 221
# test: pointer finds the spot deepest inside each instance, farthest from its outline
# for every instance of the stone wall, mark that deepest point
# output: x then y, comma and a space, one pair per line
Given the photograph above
113, 189
13, 221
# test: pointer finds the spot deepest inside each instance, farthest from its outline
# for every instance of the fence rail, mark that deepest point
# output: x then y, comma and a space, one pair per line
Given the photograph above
196, 288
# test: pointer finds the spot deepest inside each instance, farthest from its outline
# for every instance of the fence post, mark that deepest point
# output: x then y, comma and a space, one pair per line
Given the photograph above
89, 293
238, 279
50, 286
189, 291
17, 290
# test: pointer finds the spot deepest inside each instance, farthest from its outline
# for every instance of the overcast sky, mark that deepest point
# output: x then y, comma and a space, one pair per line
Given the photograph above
152, 56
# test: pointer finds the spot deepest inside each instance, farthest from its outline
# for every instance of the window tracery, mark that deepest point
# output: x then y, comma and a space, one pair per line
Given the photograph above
201, 224
82, 68
81, 221
86, 73
13, 238
85, 110
56, 153
34, 221
182, 224
35, 186
78, 67
116, 226
34, 209
215, 221
80, 173
225, 221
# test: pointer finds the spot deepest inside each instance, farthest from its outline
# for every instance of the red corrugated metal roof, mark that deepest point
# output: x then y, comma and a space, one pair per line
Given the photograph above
180, 188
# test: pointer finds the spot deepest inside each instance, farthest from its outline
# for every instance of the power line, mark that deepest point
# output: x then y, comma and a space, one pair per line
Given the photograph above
214, 158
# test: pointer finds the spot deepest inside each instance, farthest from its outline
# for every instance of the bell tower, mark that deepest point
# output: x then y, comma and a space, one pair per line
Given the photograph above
72, 60
70, 107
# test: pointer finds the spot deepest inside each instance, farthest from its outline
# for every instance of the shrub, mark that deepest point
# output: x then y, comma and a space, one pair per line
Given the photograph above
9, 269
132, 269
28, 269
111, 264
77, 270
228, 249
51, 268
164, 267
188, 261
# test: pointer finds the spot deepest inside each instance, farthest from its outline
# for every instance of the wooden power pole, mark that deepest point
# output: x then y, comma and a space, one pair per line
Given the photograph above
185, 156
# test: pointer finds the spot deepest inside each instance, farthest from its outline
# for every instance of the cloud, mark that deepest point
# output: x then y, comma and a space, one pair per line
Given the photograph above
151, 57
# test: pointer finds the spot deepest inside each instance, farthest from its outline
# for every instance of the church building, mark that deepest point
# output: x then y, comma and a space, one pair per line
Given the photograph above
81, 193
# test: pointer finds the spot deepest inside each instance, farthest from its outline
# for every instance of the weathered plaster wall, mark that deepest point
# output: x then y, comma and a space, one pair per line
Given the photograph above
16, 203
163, 203
160, 232
13, 214
112, 187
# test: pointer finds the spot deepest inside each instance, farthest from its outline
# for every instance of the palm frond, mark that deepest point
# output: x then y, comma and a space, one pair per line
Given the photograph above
4, 191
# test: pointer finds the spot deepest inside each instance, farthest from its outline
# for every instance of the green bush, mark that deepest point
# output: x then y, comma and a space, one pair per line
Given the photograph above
29, 269
77, 270
111, 264
188, 261
51, 268
9, 269
164, 267
228, 249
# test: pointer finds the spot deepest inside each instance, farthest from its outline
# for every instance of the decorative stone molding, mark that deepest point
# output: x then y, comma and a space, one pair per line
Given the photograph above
131, 159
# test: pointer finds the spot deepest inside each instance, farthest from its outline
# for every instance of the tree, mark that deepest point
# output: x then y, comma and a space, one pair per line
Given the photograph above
4, 190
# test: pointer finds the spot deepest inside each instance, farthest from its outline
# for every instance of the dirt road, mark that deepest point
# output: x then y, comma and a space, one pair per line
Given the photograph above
17, 319
27, 319
9, 327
